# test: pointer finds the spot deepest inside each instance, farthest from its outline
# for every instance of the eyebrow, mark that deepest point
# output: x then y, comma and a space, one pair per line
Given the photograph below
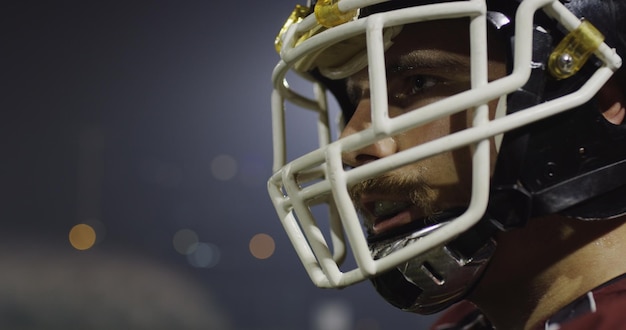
429, 60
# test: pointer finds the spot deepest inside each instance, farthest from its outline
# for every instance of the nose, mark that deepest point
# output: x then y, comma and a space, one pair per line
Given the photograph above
361, 120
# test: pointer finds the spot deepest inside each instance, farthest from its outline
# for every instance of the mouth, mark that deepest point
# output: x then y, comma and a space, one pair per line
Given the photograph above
385, 215
407, 223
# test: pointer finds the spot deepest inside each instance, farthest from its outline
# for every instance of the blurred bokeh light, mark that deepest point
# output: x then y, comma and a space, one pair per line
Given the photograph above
82, 236
262, 246
136, 143
224, 167
185, 241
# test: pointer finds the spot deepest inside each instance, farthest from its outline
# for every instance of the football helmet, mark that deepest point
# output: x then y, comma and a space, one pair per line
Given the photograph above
553, 146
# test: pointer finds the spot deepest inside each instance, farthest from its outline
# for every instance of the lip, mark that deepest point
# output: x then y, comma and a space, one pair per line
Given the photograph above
382, 225
378, 225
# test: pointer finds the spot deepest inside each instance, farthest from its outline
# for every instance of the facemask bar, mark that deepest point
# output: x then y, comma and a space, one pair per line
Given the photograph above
290, 197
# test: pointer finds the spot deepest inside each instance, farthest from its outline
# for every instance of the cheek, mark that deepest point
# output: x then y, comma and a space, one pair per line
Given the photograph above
448, 169
444, 165
423, 134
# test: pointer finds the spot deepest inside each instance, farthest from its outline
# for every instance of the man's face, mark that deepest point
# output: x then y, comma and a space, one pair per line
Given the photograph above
427, 62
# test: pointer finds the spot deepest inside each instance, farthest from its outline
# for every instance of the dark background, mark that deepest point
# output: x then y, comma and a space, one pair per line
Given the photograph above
143, 118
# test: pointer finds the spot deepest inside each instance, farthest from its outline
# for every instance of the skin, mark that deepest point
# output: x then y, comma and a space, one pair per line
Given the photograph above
540, 268
537, 269
430, 71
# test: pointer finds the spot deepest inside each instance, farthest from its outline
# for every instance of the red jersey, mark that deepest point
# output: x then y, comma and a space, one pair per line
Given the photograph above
603, 308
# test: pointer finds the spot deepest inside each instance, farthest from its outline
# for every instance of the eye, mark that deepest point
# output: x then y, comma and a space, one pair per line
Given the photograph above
405, 91
419, 83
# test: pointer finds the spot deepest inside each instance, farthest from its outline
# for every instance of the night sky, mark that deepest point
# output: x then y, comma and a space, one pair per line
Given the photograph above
149, 121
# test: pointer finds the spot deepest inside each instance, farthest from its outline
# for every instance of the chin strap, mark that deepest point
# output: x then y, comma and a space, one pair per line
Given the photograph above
440, 277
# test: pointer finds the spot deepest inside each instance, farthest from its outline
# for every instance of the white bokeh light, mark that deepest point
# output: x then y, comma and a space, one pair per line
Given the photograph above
206, 255
333, 315
185, 241
224, 167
